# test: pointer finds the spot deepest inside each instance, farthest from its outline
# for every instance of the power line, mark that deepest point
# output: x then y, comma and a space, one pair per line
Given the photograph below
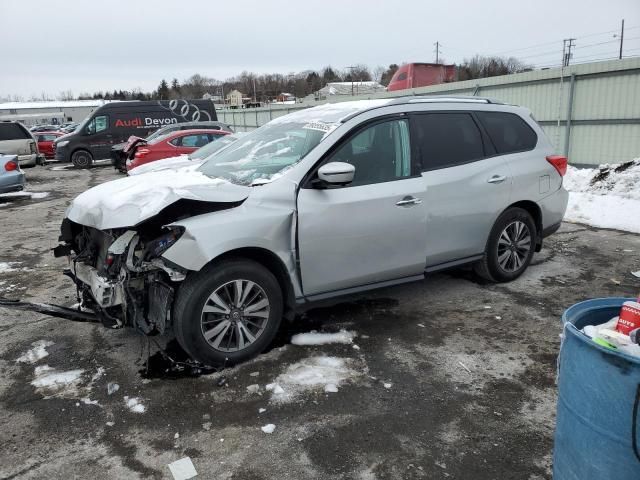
556, 42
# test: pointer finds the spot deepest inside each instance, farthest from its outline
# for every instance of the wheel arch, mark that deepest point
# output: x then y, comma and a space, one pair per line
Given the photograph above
274, 264
536, 213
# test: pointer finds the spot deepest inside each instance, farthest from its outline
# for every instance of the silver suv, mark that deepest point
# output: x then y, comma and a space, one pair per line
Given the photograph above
15, 139
324, 202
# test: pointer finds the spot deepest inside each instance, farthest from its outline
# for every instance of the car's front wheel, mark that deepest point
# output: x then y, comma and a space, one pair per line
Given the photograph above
228, 312
510, 247
81, 159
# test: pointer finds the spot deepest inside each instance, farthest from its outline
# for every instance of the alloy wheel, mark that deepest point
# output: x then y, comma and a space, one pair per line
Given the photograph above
514, 246
235, 315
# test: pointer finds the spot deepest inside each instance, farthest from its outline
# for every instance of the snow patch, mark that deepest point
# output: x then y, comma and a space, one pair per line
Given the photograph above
606, 197
49, 381
269, 428
24, 194
314, 373
6, 267
38, 352
134, 404
315, 338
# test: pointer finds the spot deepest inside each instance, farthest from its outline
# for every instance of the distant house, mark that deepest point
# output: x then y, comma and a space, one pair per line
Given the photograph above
235, 98
212, 97
348, 89
285, 98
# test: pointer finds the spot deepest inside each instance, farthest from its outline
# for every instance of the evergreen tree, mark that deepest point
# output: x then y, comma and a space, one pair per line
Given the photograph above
163, 90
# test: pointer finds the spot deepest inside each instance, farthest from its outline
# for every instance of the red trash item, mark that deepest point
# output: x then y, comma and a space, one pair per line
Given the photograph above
629, 318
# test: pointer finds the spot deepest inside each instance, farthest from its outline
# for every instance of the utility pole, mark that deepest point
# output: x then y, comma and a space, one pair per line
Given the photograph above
437, 44
351, 69
621, 38
568, 44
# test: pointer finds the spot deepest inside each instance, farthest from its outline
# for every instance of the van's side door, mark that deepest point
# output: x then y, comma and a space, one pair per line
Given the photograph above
467, 184
372, 230
100, 137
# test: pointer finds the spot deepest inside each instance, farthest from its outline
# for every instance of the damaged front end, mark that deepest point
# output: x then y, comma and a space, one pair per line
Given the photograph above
120, 273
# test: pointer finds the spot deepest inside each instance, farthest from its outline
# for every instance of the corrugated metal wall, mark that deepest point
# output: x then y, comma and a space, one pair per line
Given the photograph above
604, 118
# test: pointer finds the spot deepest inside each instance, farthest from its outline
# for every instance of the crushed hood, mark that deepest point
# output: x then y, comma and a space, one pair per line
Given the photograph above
128, 201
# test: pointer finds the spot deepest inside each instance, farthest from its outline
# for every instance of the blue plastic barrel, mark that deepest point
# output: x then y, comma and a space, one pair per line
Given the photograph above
598, 422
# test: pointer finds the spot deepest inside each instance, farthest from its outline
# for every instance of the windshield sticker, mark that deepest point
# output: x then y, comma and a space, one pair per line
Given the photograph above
320, 126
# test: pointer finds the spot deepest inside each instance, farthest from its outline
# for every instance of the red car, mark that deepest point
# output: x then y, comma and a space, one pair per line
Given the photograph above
172, 145
45, 142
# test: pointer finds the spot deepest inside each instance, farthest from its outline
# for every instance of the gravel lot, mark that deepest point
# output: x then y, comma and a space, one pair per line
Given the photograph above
453, 379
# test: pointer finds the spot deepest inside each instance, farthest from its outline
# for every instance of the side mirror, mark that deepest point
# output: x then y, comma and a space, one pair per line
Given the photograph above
336, 173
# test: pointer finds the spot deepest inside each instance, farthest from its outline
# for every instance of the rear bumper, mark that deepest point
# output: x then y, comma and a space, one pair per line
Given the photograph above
553, 209
28, 160
12, 182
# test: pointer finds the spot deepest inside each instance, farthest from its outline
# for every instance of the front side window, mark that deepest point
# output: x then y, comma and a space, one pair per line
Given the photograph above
97, 124
508, 132
447, 139
402, 76
379, 153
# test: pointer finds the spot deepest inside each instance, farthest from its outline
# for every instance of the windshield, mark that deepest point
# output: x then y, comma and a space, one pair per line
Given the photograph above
218, 143
263, 153
158, 133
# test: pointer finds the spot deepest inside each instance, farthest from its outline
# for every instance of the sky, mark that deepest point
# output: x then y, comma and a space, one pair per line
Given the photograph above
86, 46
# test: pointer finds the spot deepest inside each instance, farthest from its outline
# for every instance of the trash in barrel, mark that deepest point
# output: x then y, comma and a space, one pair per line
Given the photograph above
598, 415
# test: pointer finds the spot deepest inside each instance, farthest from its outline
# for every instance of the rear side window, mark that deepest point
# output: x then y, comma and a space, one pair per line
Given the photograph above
447, 139
12, 131
508, 132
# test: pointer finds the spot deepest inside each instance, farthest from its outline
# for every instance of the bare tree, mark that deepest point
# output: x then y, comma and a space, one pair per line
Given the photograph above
480, 67
66, 95
378, 72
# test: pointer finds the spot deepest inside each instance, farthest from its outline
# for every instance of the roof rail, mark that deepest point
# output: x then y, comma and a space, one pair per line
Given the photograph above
442, 99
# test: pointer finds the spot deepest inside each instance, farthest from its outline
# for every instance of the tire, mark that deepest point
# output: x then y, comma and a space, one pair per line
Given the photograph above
81, 159
231, 329
507, 254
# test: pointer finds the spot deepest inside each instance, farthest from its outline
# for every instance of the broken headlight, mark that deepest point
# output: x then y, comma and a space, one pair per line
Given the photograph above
158, 246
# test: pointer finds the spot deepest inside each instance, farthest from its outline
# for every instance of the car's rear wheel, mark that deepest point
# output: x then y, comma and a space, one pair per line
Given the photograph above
228, 312
81, 159
510, 247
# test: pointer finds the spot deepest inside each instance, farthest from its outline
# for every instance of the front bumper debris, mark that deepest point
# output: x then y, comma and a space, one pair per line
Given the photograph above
51, 310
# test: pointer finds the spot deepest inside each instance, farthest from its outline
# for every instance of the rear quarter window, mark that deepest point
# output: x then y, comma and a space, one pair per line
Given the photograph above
447, 139
13, 131
508, 132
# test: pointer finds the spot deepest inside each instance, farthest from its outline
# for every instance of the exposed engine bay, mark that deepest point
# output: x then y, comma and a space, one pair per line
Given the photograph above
120, 273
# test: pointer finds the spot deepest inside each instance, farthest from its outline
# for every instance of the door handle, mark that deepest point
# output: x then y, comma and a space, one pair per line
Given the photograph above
408, 201
497, 179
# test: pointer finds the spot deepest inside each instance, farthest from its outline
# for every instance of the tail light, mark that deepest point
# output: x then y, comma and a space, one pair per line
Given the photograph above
141, 152
11, 166
559, 162
32, 146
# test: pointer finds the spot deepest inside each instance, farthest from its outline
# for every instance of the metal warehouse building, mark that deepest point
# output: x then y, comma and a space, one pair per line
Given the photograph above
32, 113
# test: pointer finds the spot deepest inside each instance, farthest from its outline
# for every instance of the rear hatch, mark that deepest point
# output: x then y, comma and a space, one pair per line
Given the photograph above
15, 139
